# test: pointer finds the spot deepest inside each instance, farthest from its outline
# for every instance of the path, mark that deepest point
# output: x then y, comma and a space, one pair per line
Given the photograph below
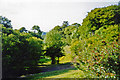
48, 68
57, 67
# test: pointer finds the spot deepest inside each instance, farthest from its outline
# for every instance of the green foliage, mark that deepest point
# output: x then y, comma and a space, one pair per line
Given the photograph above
96, 50
67, 32
6, 22
22, 29
37, 28
65, 24
53, 45
70, 33
97, 56
53, 38
37, 32
19, 50
7, 30
100, 17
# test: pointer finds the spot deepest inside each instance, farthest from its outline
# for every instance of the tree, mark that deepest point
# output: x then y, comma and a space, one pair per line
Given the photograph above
37, 32
99, 17
53, 43
97, 49
19, 50
7, 30
6, 22
76, 24
37, 28
65, 24
70, 33
22, 29
57, 28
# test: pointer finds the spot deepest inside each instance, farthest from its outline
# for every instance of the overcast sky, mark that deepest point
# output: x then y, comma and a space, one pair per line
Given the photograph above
48, 13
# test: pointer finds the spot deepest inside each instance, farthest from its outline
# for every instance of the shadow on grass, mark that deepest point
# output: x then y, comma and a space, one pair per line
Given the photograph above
47, 74
52, 70
47, 68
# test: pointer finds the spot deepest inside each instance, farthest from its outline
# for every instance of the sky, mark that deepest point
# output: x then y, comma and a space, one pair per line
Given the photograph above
48, 13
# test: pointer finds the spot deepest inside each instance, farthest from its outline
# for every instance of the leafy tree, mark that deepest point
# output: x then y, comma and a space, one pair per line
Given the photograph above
98, 45
37, 28
100, 17
6, 22
22, 29
65, 24
37, 32
7, 30
70, 33
58, 28
54, 52
76, 24
19, 50
54, 44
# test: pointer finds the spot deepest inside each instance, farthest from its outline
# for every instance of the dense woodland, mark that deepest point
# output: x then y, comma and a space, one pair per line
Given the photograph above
94, 44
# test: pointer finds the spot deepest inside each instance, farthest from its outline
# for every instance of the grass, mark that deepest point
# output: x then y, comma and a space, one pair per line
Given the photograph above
69, 74
66, 73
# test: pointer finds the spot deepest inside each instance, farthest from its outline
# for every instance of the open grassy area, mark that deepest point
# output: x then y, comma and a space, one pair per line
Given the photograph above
66, 73
70, 74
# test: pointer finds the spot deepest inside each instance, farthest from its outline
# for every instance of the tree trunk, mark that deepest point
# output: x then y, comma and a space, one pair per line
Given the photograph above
53, 60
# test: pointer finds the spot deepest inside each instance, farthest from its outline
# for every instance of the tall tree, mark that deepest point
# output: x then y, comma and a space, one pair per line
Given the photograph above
53, 44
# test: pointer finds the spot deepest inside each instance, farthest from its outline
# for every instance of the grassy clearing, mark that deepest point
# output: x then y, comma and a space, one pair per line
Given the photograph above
69, 74
48, 74
66, 73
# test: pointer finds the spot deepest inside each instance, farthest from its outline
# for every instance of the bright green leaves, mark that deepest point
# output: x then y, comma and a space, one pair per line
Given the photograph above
97, 50
102, 16
53, 41
35, 45
5, 22
22, 29
20, 49
53, 38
